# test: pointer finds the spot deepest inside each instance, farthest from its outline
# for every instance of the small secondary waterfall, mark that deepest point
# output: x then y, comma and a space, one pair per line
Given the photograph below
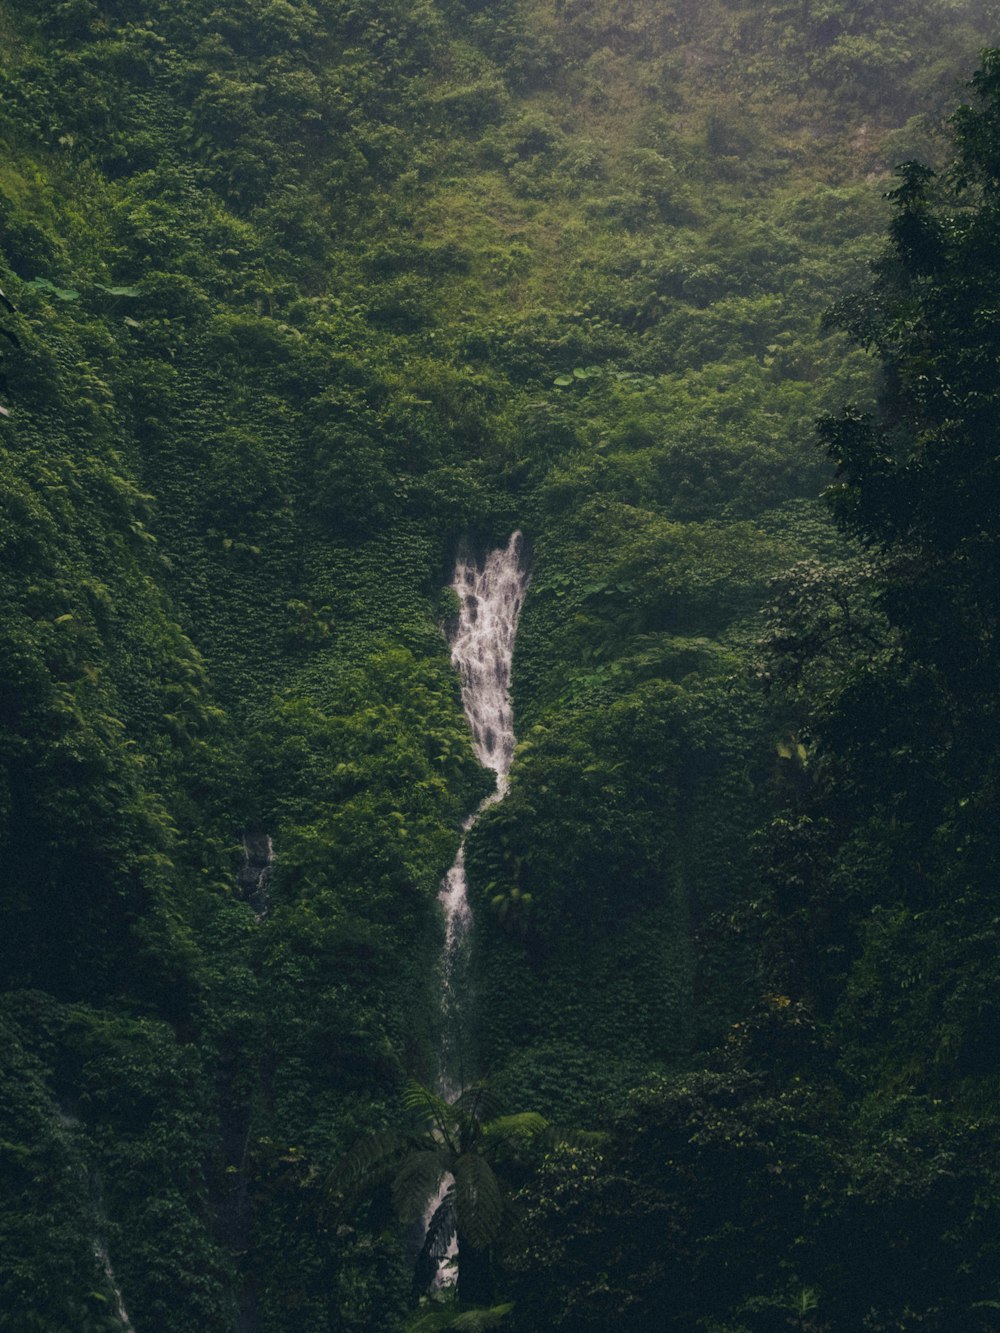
482, 649
121, 1314
255, 874
70, 1123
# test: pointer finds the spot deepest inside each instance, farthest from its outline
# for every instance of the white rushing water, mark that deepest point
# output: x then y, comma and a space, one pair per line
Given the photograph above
121, 1314
68, 1124
482, 649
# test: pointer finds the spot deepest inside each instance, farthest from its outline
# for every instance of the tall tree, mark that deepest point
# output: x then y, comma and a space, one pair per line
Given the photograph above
462, 1145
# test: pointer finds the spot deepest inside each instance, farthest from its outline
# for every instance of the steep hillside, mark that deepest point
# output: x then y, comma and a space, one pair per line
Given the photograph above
302, 297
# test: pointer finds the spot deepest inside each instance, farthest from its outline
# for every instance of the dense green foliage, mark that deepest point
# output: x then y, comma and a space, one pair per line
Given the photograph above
301, 296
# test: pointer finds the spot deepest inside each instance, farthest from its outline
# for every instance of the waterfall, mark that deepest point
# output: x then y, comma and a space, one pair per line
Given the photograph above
482, 648
102, 1257
68, 1124
255, 874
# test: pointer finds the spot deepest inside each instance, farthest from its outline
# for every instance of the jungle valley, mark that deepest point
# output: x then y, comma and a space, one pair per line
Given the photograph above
309, 307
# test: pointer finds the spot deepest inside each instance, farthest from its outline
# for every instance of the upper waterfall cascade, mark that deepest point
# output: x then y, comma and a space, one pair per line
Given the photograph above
483, 647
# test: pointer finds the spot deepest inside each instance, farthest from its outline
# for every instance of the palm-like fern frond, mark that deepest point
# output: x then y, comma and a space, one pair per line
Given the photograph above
420, 1099
368, 1162
475, 1321
478, 1200
437, 1242
441, 1228
417, 1181
478, 1102
469, 1321
527, 1125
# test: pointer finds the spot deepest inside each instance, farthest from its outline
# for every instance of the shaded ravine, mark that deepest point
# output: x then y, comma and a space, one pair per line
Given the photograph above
482, 649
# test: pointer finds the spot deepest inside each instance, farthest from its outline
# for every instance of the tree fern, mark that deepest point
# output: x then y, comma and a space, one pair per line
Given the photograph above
462, 1140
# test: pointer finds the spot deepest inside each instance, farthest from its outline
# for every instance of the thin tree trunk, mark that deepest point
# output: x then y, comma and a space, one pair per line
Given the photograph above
475, 1274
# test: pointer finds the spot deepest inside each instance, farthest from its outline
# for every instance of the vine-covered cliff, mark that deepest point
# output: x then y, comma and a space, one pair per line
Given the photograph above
300, 299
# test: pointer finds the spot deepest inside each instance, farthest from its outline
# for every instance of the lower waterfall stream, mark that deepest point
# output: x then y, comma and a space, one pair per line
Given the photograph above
482, 649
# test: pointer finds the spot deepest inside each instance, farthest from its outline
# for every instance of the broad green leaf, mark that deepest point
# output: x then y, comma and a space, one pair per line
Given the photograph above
478, 1202
60, 293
